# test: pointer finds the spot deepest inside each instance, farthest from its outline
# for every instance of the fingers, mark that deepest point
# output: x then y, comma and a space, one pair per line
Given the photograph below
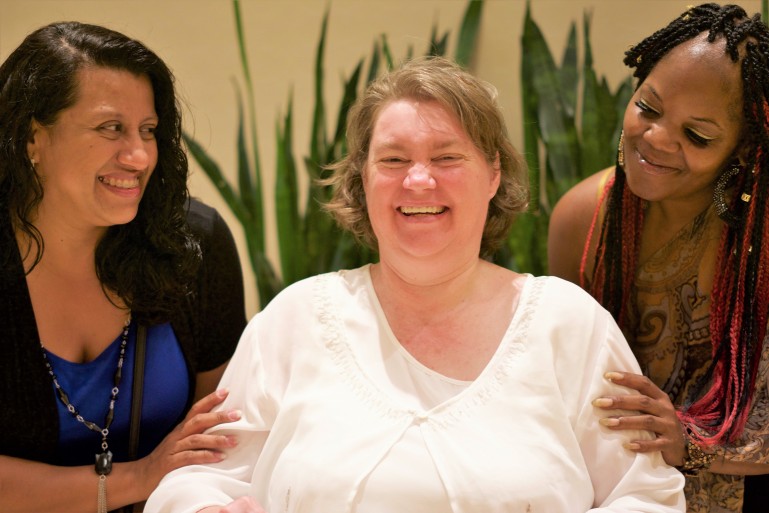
638, 382
202, 421
208, 402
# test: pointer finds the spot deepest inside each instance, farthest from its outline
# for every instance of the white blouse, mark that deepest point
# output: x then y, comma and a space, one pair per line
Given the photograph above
338, 417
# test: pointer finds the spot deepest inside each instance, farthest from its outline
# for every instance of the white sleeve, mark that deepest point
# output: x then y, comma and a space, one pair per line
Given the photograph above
622, 480
191, 488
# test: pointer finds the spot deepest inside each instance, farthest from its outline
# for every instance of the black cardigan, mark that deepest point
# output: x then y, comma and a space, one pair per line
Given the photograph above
208, 331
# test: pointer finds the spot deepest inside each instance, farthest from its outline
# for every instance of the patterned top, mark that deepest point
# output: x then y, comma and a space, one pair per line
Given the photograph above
670, 336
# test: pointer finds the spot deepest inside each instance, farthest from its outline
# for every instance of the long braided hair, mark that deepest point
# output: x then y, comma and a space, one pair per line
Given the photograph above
740, 294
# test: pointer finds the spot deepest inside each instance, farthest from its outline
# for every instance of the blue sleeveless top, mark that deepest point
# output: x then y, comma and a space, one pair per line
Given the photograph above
89, 388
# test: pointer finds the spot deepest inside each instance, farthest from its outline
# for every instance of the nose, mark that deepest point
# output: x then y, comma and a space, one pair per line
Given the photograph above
136, 152
419, 177
660, 138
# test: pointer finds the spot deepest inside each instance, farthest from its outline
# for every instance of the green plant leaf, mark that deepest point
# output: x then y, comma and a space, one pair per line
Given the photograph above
556, 128
569, 74
214, 173
468, 33
288, 219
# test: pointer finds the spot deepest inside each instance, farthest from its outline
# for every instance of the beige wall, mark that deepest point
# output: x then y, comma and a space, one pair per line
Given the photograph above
196, 38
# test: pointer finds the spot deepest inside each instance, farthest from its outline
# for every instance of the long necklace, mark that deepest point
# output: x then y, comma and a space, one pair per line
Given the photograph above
103, 465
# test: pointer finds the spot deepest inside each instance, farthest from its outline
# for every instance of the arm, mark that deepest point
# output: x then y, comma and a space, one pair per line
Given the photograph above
623, 480
569, 228
220, 482
74, 488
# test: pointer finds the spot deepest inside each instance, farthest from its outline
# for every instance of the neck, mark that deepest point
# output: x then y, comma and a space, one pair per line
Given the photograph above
430, 291
67, 249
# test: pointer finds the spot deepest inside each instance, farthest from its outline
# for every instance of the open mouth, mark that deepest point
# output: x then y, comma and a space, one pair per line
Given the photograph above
413, 211
120, 184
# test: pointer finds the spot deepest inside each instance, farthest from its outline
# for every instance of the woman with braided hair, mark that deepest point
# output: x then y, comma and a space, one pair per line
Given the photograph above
673, 242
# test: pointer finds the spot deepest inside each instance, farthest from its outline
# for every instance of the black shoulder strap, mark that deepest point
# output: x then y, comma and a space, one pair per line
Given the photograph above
136, 400
137, 392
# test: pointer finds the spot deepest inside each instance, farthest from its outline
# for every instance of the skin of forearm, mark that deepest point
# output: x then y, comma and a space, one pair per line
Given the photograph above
738, 468
30, 487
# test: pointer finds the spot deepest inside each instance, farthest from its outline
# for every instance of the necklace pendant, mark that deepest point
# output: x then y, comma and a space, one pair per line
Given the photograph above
103, 463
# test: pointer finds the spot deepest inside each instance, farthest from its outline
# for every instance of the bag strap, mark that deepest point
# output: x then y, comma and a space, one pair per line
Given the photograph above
137, 392
136, 398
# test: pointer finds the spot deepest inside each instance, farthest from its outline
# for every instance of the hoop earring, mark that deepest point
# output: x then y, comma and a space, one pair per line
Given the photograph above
621, 150
719, 196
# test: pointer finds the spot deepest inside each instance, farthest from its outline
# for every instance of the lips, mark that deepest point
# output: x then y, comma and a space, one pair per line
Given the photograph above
652, 165
120, 183
412, 211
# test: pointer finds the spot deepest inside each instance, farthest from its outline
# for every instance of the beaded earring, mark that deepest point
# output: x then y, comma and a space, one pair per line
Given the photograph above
621, 150
719, 195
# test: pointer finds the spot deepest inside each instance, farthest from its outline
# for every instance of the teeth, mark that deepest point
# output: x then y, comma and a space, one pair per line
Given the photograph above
120, 184
410, 211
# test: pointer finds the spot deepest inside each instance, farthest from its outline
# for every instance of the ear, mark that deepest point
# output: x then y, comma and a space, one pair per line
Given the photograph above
496, 169
742, 155
33, 142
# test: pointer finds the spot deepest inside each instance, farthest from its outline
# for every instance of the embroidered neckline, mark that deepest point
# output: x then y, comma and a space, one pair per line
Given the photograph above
477, 393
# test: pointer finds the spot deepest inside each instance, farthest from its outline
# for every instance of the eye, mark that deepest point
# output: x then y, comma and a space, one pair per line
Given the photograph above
393, 162
447, 159
697, 139
646, 109
111, 130
148, 132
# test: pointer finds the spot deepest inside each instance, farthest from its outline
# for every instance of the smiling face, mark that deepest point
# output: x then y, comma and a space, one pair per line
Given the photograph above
683, 124
96, 159
427, 185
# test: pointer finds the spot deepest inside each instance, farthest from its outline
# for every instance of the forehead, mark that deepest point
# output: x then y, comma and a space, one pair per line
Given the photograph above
703, 75
406, 115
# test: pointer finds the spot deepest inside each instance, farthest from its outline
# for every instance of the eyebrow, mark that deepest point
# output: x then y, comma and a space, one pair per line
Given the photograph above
695, 118
395, 144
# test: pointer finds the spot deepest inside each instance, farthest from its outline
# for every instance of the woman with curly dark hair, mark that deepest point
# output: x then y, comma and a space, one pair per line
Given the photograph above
111, 278
673, 242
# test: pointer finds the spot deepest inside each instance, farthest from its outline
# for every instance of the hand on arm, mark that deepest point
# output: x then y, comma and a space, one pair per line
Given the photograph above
75, 488
187, 444
656, 414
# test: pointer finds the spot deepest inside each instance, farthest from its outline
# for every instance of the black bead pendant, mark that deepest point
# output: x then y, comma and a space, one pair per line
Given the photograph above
104, 463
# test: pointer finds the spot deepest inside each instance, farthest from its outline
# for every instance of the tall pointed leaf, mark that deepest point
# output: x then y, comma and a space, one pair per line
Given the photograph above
468, 33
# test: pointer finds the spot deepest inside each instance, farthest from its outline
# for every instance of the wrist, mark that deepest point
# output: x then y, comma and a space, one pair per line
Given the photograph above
695, 458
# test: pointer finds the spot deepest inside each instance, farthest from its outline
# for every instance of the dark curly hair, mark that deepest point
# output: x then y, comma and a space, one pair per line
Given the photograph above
473, 102
149, 262
739, 302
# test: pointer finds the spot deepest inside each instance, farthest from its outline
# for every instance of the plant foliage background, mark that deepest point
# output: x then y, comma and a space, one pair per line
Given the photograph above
571, 119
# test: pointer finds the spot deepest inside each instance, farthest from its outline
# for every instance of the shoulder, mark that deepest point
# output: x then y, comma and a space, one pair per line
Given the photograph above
570, 224
335, 286
203, 219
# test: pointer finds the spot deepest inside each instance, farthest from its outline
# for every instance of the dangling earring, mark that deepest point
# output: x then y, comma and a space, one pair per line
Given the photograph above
33, 162
719, 195
621, 150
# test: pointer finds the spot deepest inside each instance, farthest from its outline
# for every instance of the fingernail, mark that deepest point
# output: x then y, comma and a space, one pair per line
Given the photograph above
603, 402
608, 421
222, 456
234, 414
631, 446
232, 440
611, 376
222, 392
